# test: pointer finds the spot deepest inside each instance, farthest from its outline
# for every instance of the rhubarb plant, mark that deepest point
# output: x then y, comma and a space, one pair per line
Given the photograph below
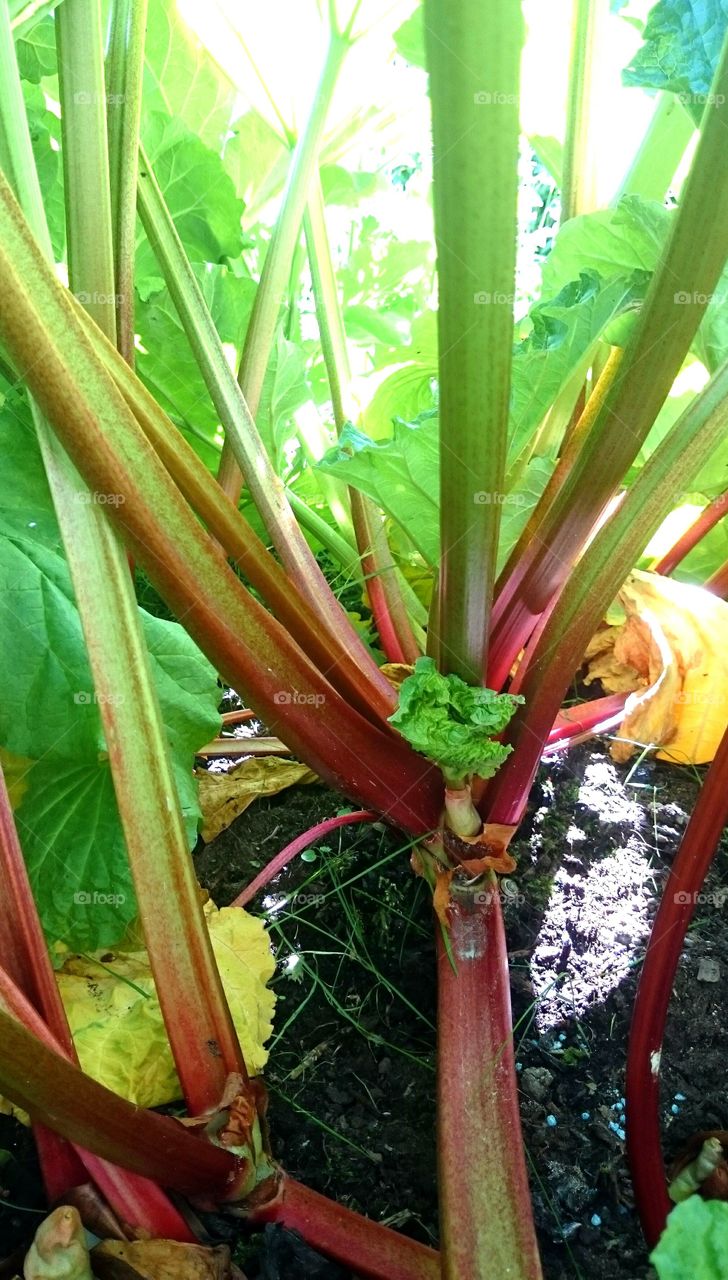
210, 399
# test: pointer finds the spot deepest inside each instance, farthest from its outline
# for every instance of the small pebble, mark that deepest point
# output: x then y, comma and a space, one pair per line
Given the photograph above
708, 971
680, 1097
586, 1115
595, 1220
519, 1066
551, 1121
675, 1109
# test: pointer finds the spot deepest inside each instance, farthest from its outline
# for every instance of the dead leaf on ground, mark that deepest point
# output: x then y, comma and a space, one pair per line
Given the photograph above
671, 655
160, 1260
224, 796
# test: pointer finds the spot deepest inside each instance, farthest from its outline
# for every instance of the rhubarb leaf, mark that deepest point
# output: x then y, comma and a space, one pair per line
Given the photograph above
694, 1243
117, 1024
402, 475
166, 362
452, 723
189, 174
181, 79
682, 44
68, 818
561, 339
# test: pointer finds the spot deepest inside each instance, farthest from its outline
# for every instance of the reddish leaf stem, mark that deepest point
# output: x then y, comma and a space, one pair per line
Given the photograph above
707, 519
371, 1250
276, 865
691, 865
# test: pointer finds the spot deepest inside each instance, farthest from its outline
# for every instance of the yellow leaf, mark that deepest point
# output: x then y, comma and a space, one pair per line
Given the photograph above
224, 796
15, 769
114, 1013
396, 672
672, 653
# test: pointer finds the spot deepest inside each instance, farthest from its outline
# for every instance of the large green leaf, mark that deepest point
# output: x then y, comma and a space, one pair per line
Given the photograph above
402, 475
68, 818
682, 43
694, 1244
36, 50
166, 363
563, 335
612, 242
253, 154
181, 79
631, 238
200, 197
49, 713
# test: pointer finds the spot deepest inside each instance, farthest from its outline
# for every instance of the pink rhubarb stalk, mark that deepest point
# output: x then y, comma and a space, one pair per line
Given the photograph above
24, 957
696, 852
486, 1223
281, 860
707, 519
371, 1250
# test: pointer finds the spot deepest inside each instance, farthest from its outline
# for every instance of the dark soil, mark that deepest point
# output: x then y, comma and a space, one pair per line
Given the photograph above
351, 1072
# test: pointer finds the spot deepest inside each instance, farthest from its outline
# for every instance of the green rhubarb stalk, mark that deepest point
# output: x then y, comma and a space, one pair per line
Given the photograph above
473, 55
279, 256
383, 587
675, 304
47, 345
266, 488
661, 150
124, 70
593, 584
581, 153
227, 524
82, 92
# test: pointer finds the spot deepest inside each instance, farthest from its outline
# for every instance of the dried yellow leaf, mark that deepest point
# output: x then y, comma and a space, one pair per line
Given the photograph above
672, 651
224, 796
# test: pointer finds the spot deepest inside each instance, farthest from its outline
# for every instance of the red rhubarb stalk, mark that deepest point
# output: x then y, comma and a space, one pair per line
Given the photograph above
677, 905
586, 720
371, 1250
707, 519
281, 860
35, 1076
486, 1223
24, 957
718, 582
